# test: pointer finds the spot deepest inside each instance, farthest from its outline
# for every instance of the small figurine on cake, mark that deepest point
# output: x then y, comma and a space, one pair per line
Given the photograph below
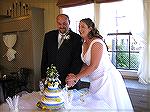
51, 98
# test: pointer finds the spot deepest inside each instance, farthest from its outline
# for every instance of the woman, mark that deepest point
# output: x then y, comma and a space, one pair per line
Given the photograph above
107, 87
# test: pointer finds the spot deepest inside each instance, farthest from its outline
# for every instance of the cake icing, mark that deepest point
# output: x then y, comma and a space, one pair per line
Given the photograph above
52, 94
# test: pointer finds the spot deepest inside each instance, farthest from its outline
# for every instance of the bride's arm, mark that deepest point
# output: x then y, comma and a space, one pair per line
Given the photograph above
71, 83
96, 54
83, 67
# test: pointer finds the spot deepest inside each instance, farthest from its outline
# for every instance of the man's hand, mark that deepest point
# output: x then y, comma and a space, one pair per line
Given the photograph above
71, 80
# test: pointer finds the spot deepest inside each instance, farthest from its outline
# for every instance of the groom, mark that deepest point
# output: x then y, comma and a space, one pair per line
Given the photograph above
62, 47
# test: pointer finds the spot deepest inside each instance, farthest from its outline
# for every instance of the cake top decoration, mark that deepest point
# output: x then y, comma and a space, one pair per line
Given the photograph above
52, 72
52, 75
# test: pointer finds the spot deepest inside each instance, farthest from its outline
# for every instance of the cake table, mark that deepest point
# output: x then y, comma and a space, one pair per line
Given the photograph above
28, 101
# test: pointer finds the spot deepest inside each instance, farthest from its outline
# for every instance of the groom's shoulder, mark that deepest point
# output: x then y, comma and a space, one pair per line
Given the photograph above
51, 34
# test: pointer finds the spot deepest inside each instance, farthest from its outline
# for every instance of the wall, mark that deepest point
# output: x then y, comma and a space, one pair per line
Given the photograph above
23, 45
50, 10
30, 33
25, 42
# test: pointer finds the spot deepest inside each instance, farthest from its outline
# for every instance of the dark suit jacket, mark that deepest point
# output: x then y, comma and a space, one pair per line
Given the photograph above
67, 58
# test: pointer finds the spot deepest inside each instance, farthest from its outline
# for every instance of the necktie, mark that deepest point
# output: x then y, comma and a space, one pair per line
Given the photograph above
61, 41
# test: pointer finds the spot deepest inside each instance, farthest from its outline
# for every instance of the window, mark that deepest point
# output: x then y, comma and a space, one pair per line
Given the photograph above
122, 50
77, 13
120, 23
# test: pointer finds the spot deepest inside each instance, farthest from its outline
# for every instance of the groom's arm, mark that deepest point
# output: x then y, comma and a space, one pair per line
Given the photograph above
77, 63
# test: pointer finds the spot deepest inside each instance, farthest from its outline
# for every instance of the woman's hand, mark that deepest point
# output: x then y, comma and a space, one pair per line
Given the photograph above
71, 80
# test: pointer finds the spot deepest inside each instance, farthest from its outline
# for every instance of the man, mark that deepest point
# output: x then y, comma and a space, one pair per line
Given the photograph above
62, 48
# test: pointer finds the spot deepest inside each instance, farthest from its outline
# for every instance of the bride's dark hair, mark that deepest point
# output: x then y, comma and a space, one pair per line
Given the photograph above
94, 32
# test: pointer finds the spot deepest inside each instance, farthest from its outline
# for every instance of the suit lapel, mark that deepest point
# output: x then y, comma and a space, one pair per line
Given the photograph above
66, 41
63, 44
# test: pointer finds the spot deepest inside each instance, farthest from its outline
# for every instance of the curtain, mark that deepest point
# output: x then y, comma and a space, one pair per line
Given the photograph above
143, 71
10, 41
71, 3
105, 1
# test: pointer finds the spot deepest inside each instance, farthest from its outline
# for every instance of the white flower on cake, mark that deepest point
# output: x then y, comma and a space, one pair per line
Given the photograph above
52, 76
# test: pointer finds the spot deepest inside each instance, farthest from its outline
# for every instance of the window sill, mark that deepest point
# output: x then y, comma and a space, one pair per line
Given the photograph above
129, 74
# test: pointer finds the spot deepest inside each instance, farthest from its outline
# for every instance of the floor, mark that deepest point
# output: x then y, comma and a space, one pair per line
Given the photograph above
139, 95
136, 85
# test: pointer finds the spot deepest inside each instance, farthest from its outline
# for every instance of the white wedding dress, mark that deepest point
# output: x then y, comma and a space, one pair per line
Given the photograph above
107, 91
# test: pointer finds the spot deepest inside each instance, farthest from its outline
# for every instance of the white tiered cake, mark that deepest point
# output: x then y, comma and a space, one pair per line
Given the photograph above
52, 95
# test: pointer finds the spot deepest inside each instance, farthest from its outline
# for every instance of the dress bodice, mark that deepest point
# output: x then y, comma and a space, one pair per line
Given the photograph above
86, 58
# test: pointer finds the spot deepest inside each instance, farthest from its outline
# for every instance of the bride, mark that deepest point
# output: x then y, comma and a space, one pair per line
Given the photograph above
107, 88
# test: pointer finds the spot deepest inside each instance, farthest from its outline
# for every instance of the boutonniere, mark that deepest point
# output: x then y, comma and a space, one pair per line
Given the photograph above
67, 37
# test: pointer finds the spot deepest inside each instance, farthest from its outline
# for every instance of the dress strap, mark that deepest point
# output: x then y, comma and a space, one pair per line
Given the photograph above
96, 40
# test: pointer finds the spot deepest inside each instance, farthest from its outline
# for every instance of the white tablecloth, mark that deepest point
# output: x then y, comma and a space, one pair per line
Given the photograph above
28, 101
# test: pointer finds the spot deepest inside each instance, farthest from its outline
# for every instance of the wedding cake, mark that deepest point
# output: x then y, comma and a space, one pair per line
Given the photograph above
52, 94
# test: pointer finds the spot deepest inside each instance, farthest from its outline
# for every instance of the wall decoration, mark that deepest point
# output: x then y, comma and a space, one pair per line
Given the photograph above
10, 40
